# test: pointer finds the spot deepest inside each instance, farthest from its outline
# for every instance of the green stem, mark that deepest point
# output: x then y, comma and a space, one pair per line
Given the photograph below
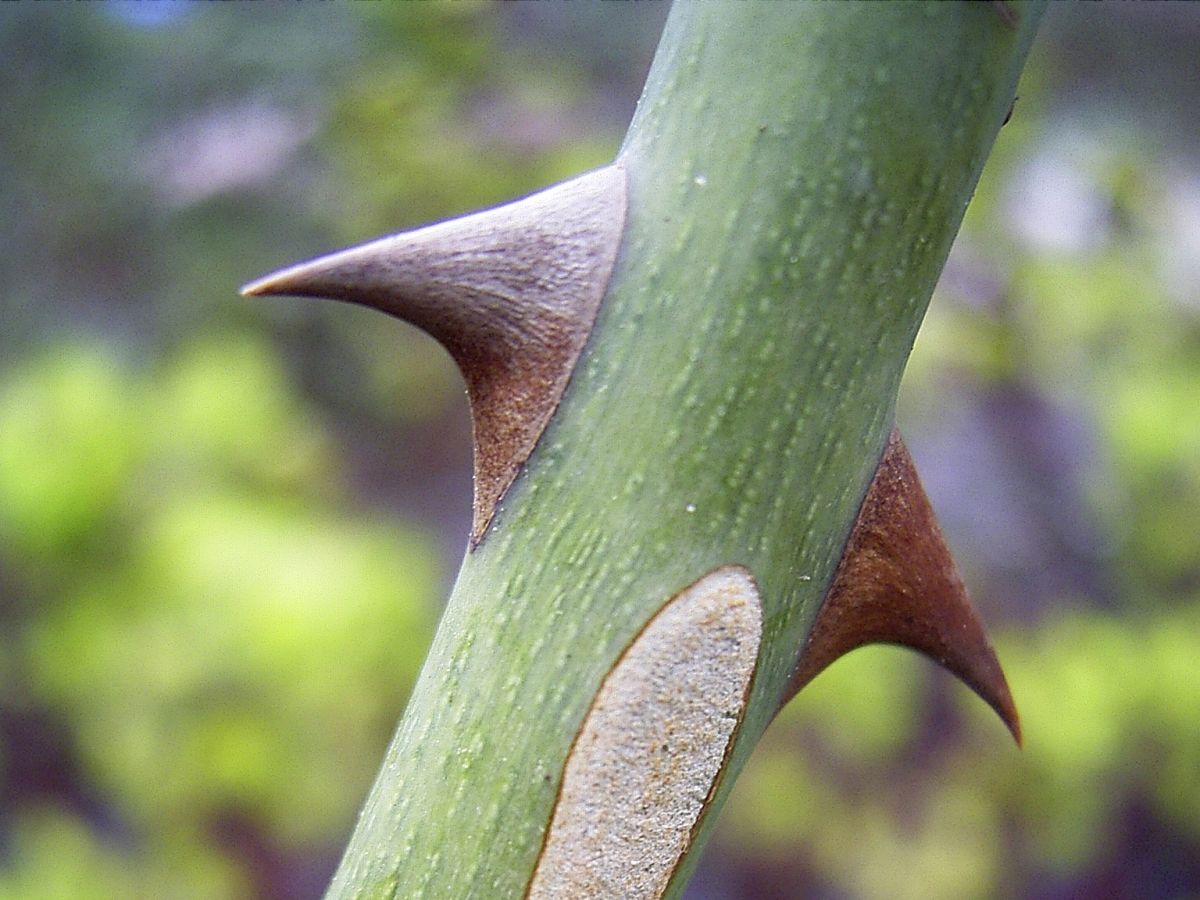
797, 174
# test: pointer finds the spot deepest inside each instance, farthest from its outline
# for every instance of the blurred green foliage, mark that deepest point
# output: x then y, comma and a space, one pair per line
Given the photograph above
221, 631
213, 607
215, 587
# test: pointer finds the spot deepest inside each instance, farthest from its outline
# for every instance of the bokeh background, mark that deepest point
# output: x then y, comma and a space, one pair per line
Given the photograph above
227, 526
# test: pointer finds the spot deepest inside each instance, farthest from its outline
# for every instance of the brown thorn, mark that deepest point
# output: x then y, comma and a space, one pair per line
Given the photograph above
897, 584
512, 294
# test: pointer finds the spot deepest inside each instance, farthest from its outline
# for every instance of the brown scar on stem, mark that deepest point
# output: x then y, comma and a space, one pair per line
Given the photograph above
646, 761
897, 584
512, 294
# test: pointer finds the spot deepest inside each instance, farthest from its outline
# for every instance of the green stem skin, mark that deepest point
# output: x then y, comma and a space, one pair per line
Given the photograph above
797, 174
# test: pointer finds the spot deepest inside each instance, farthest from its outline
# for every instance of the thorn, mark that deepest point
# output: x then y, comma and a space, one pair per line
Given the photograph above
897, 584
511, 293
1012, 107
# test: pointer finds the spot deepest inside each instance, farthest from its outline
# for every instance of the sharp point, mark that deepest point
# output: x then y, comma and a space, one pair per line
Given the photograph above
1006, 708
897, 584
275, 284
259, 287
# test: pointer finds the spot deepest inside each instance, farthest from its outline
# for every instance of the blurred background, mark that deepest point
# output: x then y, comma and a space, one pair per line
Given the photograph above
227, 526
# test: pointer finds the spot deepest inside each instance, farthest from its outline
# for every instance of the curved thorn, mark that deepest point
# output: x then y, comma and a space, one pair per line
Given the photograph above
512, 294
897, 584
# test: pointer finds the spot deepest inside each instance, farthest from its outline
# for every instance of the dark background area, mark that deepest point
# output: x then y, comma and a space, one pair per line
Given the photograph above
227, 526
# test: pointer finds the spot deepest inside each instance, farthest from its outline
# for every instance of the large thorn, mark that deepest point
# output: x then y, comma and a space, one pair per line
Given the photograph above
897, 584
512, 293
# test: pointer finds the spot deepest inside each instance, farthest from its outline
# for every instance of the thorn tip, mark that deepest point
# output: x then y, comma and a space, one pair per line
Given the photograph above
260, 287
897, 584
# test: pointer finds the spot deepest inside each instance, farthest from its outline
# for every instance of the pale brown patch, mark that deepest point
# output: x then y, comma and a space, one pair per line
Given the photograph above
647, 758
512, 293
897, 584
